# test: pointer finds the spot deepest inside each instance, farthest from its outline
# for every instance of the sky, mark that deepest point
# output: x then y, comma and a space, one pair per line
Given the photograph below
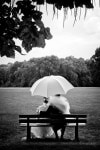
79, 40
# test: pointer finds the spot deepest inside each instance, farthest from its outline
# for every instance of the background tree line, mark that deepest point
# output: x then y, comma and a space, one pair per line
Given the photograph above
79, 72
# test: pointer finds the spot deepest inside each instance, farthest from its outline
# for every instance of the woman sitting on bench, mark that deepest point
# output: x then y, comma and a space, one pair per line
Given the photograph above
42, 132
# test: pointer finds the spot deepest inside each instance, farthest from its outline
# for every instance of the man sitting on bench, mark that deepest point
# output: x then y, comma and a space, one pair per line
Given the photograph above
57, 105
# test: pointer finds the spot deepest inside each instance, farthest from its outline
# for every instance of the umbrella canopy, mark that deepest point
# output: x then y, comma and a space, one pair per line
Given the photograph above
51, 85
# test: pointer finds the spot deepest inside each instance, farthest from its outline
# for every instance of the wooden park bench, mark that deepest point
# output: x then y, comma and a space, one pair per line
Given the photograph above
44, 120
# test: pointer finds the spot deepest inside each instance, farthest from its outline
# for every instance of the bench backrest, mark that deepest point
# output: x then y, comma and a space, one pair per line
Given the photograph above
70, 118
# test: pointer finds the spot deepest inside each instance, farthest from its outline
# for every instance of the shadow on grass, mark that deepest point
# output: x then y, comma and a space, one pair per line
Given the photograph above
50, 146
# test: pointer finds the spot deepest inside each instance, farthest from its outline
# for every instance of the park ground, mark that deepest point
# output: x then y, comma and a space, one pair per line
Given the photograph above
15, 101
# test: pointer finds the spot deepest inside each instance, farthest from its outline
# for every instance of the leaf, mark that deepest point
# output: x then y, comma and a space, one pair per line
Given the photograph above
47, 33
18, 49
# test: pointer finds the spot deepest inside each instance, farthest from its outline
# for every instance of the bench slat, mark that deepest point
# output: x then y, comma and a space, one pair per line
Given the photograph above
49, 125
54, 116
71, 120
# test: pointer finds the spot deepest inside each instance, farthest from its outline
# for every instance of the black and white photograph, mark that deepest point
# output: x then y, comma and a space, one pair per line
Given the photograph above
49, 74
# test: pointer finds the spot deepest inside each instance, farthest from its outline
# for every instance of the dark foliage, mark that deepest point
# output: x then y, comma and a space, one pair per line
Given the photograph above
65, 3
94, 66
21, 21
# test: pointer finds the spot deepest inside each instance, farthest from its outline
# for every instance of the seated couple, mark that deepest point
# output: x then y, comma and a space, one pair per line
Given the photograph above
53, 105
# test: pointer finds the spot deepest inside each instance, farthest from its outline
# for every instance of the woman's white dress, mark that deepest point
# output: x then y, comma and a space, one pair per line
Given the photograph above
41, 132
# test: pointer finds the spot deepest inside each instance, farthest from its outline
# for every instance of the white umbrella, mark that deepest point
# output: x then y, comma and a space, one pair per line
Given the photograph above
51, 85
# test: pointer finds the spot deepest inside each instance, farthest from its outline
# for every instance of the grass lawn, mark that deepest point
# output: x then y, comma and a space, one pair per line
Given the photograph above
15, 101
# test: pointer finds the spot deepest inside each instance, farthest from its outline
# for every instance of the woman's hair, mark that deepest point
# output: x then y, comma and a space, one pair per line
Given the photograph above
57, 95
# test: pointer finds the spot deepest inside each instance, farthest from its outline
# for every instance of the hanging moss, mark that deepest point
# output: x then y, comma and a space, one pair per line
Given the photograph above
68, 3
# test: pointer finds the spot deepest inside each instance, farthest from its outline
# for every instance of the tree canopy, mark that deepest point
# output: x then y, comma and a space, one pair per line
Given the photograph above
95, 67
20, 19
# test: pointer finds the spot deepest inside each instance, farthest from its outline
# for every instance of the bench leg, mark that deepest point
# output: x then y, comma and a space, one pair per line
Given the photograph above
28, 133
76, 133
